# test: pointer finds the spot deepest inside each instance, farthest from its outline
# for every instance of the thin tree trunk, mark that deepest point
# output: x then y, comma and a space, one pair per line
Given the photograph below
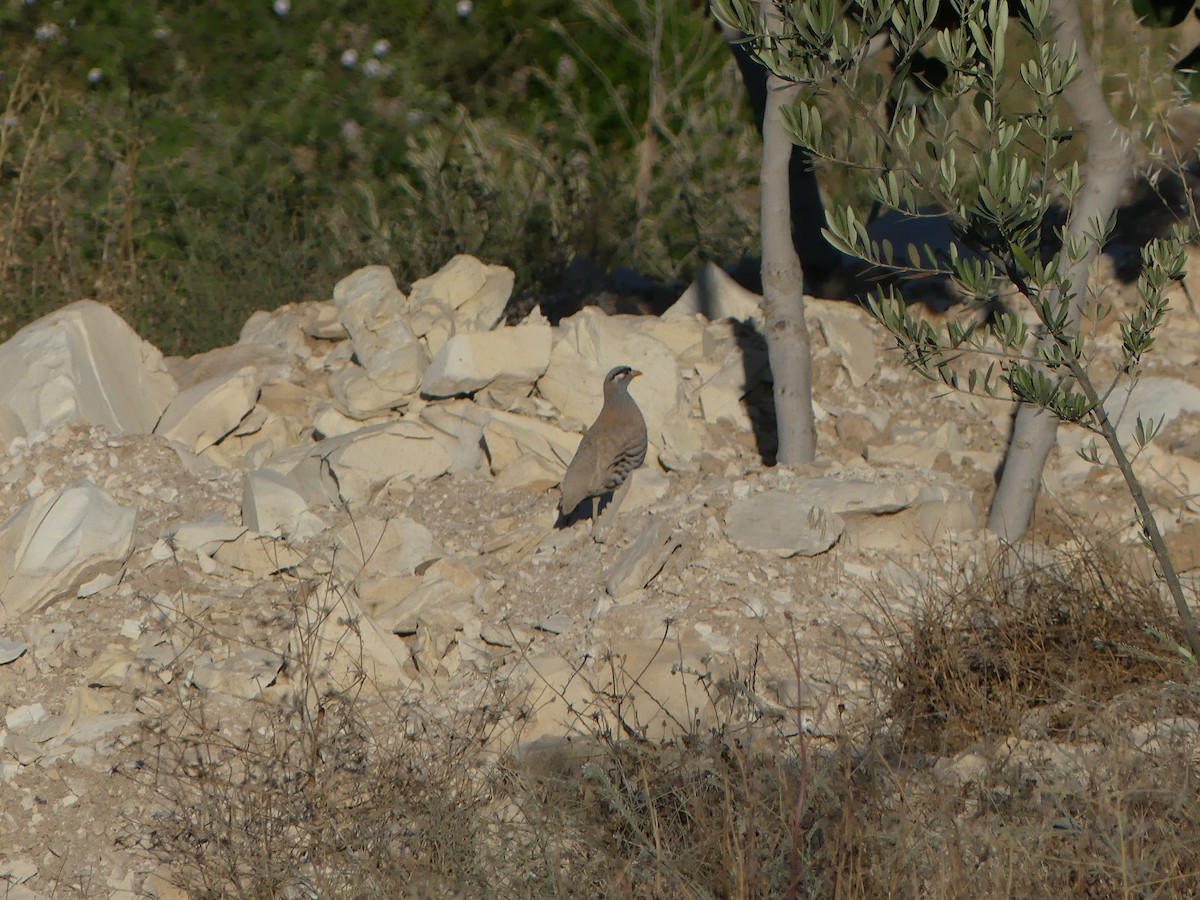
783, 288
1103, 172
818, 257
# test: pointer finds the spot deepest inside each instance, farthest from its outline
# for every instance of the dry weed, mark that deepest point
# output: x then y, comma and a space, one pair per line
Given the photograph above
1024, 747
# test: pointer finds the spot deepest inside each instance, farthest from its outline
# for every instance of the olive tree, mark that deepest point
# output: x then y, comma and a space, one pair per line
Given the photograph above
985, 148
791, 222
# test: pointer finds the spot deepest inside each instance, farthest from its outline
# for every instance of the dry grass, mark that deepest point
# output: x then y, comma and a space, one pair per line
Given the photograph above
1027, 647
1013, 754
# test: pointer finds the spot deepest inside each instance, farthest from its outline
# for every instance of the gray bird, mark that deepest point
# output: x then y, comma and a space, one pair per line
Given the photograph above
611, 449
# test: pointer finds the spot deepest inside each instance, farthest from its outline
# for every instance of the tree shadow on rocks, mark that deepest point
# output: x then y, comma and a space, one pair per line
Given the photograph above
759, 400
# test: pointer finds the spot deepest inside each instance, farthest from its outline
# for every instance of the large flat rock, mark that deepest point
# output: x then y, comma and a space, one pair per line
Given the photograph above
782, 523
509, 436
506, 358
53, 541
1154, 398
83, 363
365, 460
202, 414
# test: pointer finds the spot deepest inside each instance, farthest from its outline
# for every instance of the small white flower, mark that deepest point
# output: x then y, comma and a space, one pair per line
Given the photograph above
349, 57
372, 68
382, 46
566, 69
161, 33
282, 7
46, 31
94, 75
463, 8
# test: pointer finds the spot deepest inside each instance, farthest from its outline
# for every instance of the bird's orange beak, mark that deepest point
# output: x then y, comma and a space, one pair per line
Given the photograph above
634, 373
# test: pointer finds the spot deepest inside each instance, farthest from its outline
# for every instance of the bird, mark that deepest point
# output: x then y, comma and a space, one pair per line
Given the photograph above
610, 450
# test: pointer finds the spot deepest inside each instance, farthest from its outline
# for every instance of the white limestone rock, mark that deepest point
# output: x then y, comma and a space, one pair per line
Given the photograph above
287, 327
349, 646
11, 651
390, 359
328, 421
640, 562
390, 548
646, 487
1153, 398
22, 717
590, 344
684, 439
434, 595
931, 456
83, 363
509, 436
245, 674
506, 359
11, 426
459, 427
364, 460
271, 363
684, 335
201, 415
474, 291
395, 378
529, 472
856, 495
273, 503
852, 334
14, 873
438, 647
715, 295
657, 690
372, 310
308, 473
464, 573
733, 361
57, 540
261, 555
722, 387
782, 523
204, 535
944, 512
940, 513
283, 417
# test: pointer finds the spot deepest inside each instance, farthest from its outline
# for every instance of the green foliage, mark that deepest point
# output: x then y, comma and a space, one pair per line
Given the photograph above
993, 167
988, 152
195, 162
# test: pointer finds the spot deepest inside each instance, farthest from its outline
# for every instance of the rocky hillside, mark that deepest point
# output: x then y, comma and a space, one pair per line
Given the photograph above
360, 492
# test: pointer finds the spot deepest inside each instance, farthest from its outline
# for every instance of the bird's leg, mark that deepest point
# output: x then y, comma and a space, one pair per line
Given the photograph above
600, 526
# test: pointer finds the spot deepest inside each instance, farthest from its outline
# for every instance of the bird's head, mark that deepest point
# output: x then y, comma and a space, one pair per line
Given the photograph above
619, 378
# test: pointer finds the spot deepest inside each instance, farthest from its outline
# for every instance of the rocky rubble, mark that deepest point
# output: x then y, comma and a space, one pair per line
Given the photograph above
380, 466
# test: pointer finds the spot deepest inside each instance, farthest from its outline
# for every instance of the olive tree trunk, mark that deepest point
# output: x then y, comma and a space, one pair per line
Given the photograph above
783, 287
818, 257
1103, 173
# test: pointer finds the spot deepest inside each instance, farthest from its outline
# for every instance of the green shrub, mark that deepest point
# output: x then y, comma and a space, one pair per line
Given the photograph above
189, 163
